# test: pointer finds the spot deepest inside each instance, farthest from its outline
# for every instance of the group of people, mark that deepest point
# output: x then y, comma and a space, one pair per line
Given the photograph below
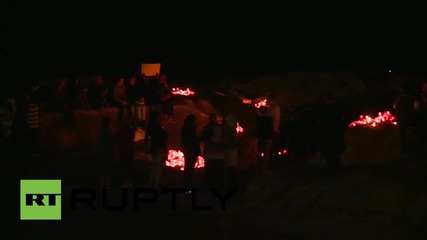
217, 143
134, 95
20, 114
138, 95
123, 140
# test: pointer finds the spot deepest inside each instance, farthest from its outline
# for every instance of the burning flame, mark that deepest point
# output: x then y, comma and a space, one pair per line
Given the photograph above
382, 118
239, 129
178, 91
176, 160
247, 101
284, 152
261, 103
256, 104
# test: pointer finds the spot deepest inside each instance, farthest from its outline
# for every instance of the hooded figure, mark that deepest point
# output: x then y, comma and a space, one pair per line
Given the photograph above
190, 146
215, 148
231, 154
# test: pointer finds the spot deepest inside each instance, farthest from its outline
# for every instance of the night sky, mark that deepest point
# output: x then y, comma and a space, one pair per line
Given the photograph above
64, 38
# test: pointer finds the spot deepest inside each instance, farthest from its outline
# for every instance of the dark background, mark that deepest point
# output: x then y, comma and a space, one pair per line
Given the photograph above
68, 39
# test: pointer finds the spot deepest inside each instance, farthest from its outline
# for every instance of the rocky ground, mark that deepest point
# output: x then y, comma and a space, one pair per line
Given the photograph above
298, 200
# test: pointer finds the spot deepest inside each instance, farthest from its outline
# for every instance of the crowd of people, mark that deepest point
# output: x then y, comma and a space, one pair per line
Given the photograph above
20, 113
147, 103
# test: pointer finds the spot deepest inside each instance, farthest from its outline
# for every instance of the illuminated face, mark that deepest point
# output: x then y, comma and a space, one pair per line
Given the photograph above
219, 119
132, 81
121, 81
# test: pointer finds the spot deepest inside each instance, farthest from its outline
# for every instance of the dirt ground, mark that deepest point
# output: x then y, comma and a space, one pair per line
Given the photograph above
295, 201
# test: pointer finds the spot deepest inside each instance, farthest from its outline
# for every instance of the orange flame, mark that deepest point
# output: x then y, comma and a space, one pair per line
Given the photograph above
176, 160
261, 103
239, 129
382, 118
186, 92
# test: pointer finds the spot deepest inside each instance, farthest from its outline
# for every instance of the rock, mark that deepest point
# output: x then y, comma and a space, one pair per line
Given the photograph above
368, 145
300, 88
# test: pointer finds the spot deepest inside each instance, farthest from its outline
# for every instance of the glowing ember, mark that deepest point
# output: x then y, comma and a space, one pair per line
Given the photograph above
284, 152
382, 118
239, 129
176, 160
247, 101
186, 92
261, 103
256, 104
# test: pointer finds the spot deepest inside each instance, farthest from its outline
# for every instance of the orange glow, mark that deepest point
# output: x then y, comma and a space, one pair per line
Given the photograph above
186, 92
247, 101
382, 118
176, 160
239, 129
261, 103
256, 104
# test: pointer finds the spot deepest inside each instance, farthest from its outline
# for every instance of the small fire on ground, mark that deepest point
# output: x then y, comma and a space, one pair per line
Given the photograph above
176, 159
284, 152
256, 104
186, 92
382, 118
239, 129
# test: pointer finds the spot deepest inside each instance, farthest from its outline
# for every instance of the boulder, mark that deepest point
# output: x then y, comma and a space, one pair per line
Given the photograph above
300, 88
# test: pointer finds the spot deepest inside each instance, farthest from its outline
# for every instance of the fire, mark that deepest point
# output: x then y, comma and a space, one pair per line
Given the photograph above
256, 104
176, 160
261, 103
186, 92
247, 101
283, 152
382, 118
239, 129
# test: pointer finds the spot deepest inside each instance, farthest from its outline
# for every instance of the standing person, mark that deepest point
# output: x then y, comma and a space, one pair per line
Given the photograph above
167, 99
124, 137
332, 129
74, 93
156, 138
98, 93
140, 105
264, 136
144, 99
153, 95
33, 124
7, 114
60, 96
422, 112
133, 97
71, 104
275, 114
105, 152
190, 146
231, 155
214, 142
405, 106
120, 97
19, 134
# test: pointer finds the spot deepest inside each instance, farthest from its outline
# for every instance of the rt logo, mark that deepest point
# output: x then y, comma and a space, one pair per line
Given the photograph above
40, 199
